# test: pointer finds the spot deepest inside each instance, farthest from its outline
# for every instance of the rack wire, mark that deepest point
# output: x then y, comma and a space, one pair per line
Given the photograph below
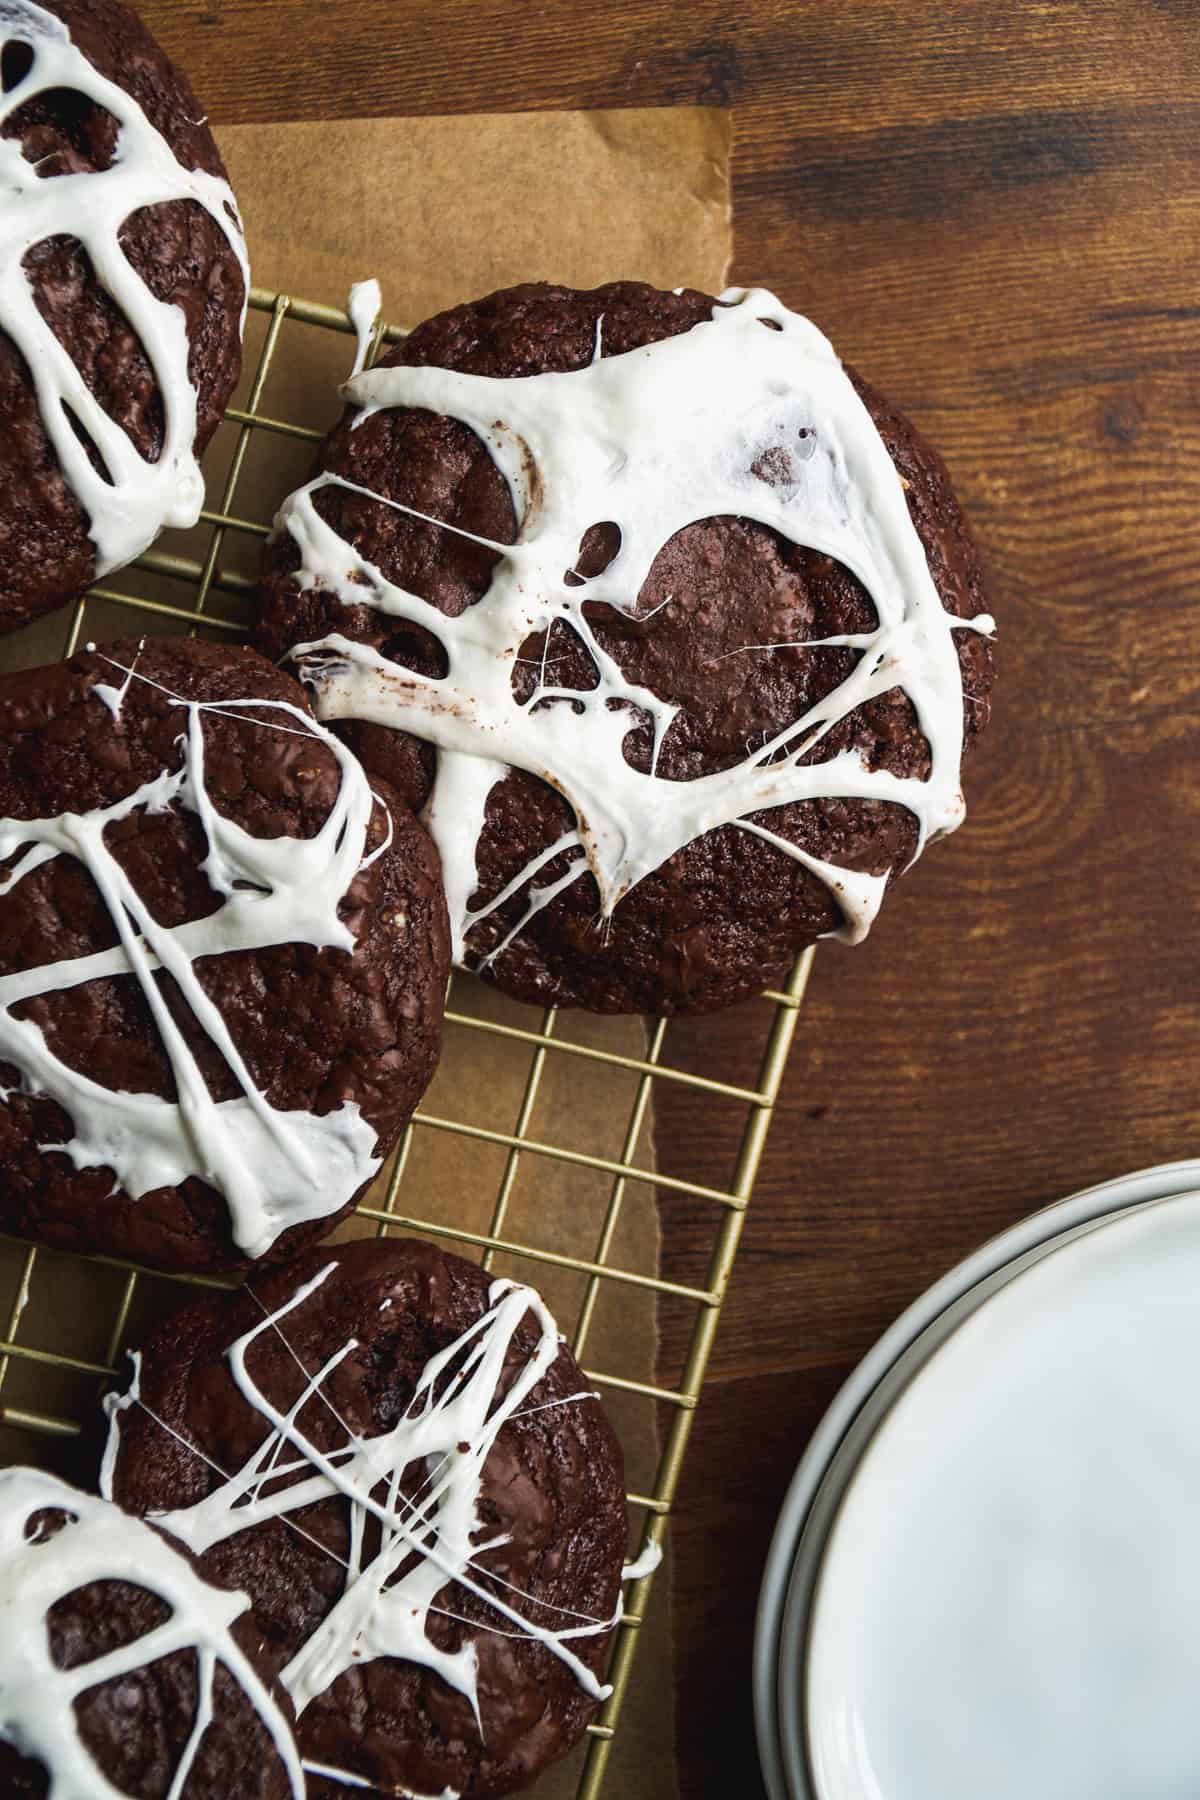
62, 1381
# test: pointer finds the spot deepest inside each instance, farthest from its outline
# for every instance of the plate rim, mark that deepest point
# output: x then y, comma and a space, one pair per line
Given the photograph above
1030, 1234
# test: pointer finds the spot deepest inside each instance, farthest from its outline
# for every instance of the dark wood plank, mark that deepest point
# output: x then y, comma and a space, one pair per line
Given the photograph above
887, 63
994, 211
742, 1461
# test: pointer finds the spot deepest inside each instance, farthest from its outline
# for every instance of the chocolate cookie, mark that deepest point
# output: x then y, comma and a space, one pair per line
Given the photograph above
120, 1665
674, 625
399, 1461
223, 956
124, 284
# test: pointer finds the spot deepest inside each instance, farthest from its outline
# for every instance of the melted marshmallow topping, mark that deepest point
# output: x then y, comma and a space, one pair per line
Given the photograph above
328, 1773
132, 500
363, 307
101, 1543
452, 1422
727, 418
275, 1168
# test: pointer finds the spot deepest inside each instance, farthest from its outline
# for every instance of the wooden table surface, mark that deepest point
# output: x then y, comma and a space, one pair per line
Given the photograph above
994, 209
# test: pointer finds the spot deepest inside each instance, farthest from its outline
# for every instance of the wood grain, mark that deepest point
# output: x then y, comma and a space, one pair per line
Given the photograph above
995, 211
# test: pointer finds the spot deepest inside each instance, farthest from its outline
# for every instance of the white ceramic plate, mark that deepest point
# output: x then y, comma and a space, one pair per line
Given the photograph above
1008, 1600
847, 1429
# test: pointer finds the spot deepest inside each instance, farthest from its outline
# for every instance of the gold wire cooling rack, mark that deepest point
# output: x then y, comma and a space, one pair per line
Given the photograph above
58, 1379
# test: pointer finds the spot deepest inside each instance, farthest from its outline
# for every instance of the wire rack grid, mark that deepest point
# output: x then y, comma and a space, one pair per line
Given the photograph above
210, 578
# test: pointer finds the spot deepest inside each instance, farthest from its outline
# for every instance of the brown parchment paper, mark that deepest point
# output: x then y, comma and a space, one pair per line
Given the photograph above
442, 210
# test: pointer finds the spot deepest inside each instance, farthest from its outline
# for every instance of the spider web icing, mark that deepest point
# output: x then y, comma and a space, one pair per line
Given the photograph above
428, 1540
133, 500
725, 419
275, 1168
101, 1543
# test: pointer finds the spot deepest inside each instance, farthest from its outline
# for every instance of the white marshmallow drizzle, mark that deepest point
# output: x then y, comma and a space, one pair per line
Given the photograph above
451, 1425
102, 1543
359, 1781
363, 307
135, 499
275, 1168
728, 418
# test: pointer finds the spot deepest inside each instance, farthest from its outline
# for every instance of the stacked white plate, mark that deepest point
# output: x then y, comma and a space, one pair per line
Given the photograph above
985, 1582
